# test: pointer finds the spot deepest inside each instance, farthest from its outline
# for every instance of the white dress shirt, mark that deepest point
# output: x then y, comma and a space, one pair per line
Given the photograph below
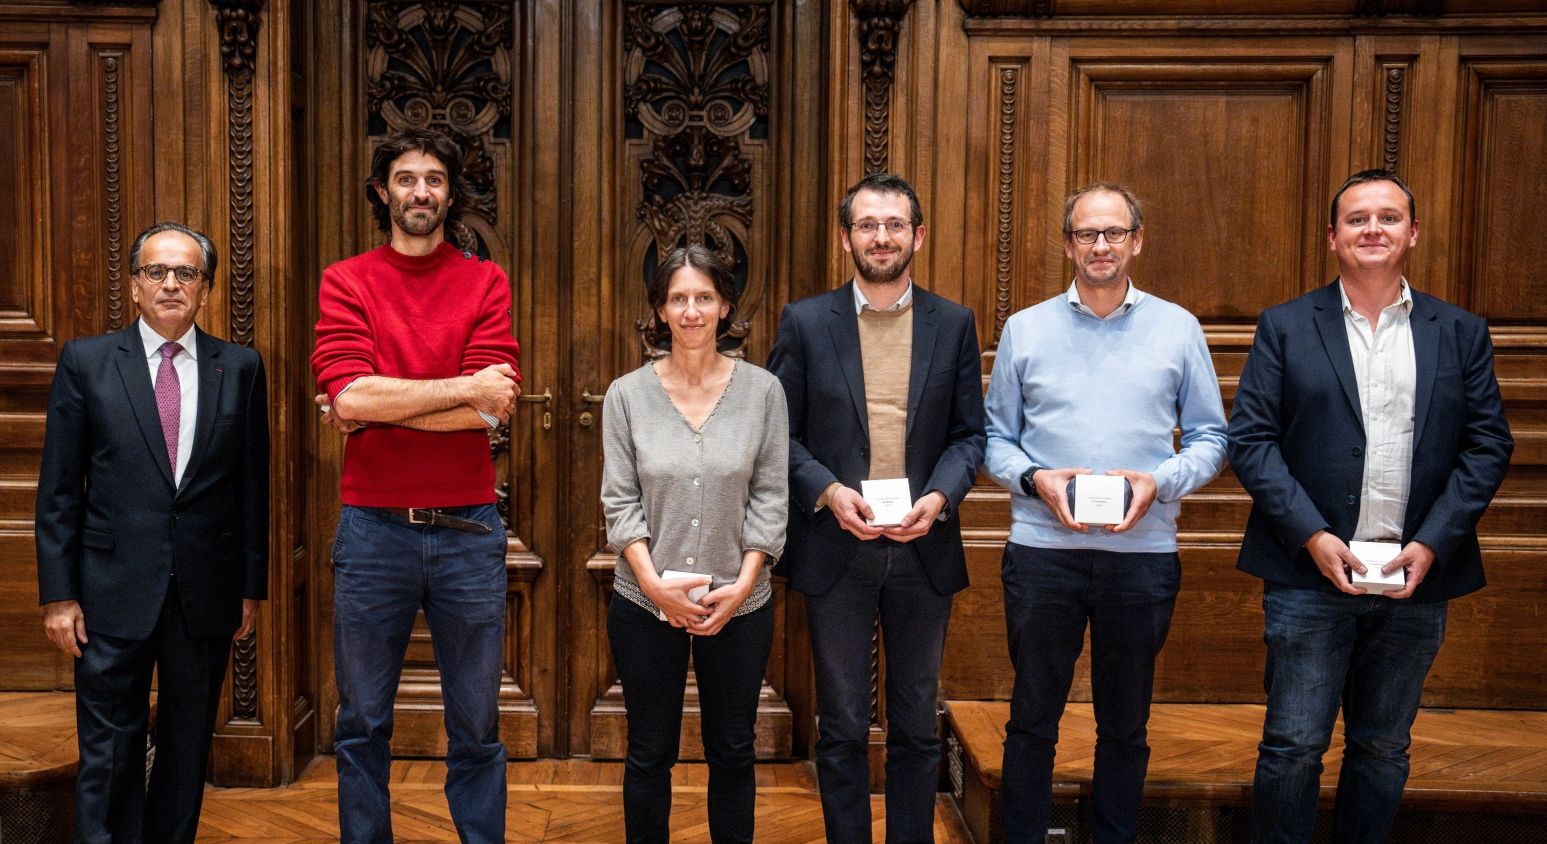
186, 363
1387, 372
861, 303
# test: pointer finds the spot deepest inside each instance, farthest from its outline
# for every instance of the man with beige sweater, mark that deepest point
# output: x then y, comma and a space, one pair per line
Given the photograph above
883, 382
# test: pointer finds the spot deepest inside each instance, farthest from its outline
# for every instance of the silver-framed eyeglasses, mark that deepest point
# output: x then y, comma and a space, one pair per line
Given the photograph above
868, 228
1113, 235
185, 275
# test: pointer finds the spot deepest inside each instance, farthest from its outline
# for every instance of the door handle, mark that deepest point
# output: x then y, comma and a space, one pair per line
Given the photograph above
545, 398
587, 418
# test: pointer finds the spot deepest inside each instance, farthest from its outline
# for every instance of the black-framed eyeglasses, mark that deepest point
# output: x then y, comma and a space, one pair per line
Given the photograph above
1113, 235
868, 228
185, 275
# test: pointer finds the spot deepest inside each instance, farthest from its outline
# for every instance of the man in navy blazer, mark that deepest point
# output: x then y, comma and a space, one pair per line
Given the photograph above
884, 382
1366, 412
152, 537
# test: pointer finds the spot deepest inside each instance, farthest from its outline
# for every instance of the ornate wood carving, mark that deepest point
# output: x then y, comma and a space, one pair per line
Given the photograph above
1391, 150
238, 21
878, 24
112, 165
696, 90
446, 65
1009, 78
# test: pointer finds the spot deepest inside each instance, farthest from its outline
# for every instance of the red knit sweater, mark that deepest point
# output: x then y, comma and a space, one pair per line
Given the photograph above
421, 317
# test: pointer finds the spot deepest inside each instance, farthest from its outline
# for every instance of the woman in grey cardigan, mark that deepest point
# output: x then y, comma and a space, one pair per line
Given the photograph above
695, 491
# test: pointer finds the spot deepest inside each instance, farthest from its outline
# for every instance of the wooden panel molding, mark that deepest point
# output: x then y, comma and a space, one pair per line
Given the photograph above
238, 23
1010, 76
1214, 150
879, 21
696, 101
1421, 9
25, 288
1502, 173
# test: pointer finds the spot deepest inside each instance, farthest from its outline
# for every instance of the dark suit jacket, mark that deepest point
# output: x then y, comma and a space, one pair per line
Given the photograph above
817, 358
1297, 440
111, 529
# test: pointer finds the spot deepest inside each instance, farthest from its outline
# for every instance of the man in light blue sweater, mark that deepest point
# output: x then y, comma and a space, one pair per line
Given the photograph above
1093, 381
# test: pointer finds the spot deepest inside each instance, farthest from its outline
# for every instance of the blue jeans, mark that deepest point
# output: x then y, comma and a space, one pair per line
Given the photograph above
384, 571
652, 661
1368, 653
1049, 595
888, 578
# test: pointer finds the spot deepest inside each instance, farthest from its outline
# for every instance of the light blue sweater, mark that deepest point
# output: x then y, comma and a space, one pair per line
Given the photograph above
1069, 389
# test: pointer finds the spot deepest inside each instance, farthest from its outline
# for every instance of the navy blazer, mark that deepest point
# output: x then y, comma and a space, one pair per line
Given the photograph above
112, 529
817, 358
1297, 440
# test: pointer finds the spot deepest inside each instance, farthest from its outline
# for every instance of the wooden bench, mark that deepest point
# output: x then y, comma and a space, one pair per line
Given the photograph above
38, 763
1468, 766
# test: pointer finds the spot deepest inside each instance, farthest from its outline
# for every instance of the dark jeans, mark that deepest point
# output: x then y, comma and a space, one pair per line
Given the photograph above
885, 577
112, 708
1049, 595
384, 571
1369, 653
651, 657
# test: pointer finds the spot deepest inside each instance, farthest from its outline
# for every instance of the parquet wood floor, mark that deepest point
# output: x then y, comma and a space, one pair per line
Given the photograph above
1199, 752
549, 800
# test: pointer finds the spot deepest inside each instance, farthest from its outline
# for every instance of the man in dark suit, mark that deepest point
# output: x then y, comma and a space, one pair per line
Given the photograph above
152, 537
884, 383
1367, 412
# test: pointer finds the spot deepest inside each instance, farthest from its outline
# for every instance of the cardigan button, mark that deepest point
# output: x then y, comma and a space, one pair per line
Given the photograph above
1358, 451
1352, 500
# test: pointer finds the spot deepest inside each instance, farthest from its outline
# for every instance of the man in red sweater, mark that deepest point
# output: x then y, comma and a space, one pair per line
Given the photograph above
416, 362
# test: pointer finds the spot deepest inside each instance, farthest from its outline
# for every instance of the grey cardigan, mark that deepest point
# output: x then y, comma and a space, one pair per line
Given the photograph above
701, 497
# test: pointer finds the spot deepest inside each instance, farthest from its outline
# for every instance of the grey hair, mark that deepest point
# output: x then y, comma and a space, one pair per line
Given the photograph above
206, 247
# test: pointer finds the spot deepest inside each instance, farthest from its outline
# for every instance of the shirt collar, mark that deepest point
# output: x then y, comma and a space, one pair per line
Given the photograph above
861, 303
1131, 298
153, 341
1404, 298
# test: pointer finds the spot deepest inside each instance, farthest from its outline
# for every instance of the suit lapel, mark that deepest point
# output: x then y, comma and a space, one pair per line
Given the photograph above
135, 372
924, 329
210, 377
1334, 339
843, 326
1426, 352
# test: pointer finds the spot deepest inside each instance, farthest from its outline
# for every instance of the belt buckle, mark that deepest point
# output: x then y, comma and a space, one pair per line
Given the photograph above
414, 516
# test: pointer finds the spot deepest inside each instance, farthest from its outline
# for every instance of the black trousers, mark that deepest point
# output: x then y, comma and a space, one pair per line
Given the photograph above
884, 578
652, 661
112, 706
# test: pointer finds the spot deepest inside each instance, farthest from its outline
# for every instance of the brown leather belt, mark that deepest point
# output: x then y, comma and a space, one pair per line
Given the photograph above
438, 518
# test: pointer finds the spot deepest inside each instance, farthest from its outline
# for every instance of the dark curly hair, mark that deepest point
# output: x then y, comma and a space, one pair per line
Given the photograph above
428, 141
700, 258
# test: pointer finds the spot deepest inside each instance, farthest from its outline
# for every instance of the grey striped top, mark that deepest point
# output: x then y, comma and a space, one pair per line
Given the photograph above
700, 496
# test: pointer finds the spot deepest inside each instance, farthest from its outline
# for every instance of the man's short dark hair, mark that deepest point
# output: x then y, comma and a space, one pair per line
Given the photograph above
881, 183
1135, 210
703, 259
206, 247
431, 142
1374, 174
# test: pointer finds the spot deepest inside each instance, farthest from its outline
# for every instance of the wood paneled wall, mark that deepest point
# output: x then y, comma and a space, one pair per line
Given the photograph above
253, 119
1235, 132
113, 117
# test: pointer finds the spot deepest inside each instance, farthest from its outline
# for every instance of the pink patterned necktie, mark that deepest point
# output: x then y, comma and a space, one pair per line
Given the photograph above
169, 400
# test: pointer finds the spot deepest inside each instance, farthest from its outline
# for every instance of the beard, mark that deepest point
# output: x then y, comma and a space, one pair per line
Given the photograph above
876, 272
418, 224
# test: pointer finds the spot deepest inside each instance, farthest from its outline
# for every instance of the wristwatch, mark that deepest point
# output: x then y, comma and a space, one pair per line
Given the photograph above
1028, 485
